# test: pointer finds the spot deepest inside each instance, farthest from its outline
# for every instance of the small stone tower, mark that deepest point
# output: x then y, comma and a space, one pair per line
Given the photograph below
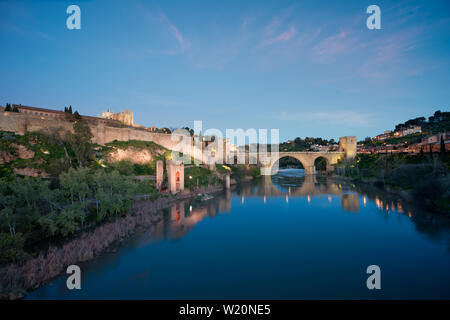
348, 146
175, 176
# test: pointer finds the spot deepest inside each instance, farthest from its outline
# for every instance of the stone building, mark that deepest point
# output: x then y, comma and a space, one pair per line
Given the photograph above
406, 131
125, 117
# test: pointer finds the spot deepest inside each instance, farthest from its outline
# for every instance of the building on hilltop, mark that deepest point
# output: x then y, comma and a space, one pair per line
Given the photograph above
126, 117
386, 135
406, 131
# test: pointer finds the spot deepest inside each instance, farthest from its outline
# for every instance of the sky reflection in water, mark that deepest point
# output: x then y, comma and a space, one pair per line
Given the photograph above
283, 237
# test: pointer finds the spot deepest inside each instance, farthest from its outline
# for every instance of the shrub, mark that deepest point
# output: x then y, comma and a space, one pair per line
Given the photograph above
11, 248
147, 187
144, 169
124, 167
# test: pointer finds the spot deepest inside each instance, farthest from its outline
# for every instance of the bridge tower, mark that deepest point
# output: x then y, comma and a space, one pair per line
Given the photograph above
348, 146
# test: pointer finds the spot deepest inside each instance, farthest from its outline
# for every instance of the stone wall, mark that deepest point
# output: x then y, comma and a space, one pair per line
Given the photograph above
21, 123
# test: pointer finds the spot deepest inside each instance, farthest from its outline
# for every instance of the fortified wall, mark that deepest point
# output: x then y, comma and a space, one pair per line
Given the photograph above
21, 123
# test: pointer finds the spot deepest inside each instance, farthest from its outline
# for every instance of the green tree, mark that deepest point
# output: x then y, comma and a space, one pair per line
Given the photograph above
80, 142
8, 107
77, 116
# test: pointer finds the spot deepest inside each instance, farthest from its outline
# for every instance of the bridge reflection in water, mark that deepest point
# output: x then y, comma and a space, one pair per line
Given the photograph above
182, 216
289, 183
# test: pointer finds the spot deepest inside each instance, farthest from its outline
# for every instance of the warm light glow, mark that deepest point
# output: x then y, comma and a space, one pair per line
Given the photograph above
190, 208
242, 200
190, 177
226, 167
264, 199
309, 198
330, 199
287, 199
364, 200
409, 214
379, 203
100, 164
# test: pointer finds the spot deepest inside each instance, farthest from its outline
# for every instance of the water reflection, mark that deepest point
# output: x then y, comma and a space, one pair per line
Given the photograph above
182, 216
275, 238
292, 183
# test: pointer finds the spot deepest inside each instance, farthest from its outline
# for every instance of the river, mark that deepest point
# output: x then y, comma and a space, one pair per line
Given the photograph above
283, 237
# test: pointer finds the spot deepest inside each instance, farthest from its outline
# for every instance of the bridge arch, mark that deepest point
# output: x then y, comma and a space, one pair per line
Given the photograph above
288, 160
307, 159
322, 164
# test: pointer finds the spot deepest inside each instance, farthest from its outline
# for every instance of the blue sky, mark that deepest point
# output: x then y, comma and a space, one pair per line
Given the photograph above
308, 68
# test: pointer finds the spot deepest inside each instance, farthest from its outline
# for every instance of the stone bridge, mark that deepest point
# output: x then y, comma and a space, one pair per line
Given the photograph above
307, 159
347, 149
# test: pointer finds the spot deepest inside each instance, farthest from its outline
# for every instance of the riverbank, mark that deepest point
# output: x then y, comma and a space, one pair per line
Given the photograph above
18, 279
422, 179
405, 195
373, 184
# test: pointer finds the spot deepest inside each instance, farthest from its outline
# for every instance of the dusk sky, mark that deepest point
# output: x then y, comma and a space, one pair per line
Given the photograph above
308, 68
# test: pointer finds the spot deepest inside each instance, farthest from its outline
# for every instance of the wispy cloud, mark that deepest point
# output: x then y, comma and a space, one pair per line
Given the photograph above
159, 18
173, 29
328, 49
389, 55
282, 37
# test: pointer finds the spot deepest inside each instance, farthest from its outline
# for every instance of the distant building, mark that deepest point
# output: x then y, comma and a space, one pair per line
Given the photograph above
407, 131
436, 138
126, 117
319, 148
382, 136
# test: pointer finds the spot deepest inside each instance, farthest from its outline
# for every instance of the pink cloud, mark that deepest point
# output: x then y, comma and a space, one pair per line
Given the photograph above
330, 47
173, 29
282, 37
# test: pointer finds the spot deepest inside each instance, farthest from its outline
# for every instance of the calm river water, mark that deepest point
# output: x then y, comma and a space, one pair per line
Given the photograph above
284, 237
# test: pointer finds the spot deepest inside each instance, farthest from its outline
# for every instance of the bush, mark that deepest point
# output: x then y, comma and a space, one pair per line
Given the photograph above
11, 248
198, 176
124, 167
144, 169
147, 187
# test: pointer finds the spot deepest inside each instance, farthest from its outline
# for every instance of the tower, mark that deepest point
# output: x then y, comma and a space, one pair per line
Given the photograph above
347, 145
